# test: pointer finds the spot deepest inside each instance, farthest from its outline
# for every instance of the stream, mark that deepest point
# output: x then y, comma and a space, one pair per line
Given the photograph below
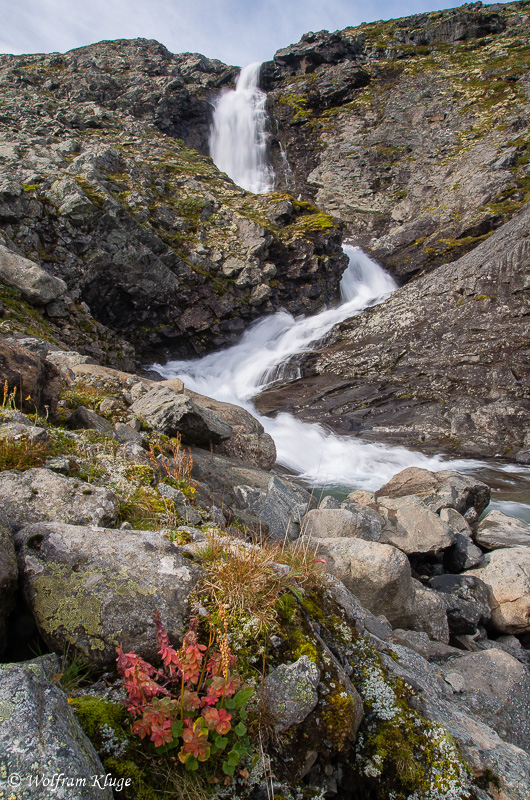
320, 458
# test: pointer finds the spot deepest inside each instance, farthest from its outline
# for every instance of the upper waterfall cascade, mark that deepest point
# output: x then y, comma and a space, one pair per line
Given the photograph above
239, 373
238, 140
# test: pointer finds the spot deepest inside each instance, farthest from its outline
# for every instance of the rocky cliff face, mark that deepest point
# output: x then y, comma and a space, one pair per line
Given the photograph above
143, 228
441, 365
413, 131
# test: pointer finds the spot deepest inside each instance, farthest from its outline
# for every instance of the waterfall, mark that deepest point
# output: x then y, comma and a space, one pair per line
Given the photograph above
238, 141
239, 373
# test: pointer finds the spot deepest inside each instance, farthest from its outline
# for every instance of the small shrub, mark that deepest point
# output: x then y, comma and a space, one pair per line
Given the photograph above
193, 702
22, 453
176, 469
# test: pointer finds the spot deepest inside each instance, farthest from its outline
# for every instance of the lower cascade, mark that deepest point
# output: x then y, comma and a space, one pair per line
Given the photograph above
238, 141
241, 372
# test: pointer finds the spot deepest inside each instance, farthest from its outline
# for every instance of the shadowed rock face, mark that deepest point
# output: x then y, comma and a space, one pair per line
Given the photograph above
100, 189
441, 365
413, 131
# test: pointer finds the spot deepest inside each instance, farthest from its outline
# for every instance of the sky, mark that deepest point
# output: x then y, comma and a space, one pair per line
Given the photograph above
235, 31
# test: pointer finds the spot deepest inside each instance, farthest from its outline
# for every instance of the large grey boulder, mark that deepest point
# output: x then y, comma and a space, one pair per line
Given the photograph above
41, 495
378, 574
507, 574
496, 688
8, 577
248, 441
171, 413
41, 738
330, 523
413, 527
498, 530
445, 489
467, 600
290, 692
92, 588
34, 284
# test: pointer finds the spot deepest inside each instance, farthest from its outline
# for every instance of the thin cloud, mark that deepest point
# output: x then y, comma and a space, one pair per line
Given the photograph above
234, 31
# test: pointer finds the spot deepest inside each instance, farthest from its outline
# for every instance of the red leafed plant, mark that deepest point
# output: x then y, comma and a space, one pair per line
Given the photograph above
193, 701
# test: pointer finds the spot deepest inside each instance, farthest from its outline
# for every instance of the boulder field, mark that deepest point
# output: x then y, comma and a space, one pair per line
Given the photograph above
407, 609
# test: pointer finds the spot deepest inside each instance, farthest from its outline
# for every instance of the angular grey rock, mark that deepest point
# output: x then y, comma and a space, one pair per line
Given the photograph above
507, 574
41, 495
127, 434
497, 691
421, 643
430, 614
16, 431
445, 489
467, 600
40, 737
356, 614
366, 519
8, 577
510, 645
498, 530
330, 523
379, 575
84, 418
35, 284
91, 588
279, 507
455, 521
464, 554
412, 526
172, 414
66, 359
290, 692
248, 441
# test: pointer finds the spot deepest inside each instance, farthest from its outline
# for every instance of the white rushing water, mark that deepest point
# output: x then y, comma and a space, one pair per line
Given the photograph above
239, 373
238, 141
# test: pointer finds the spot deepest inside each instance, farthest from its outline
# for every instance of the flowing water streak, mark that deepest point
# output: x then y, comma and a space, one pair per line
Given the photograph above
238, 141
239, 373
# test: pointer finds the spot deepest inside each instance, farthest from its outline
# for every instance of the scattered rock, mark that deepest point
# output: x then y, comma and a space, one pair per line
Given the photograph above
40, 495
430, 614
40, 737
93, 588
280, 508
438, 490
34, 284
498, 530
84, 418
507, 574
330, 523
248, 441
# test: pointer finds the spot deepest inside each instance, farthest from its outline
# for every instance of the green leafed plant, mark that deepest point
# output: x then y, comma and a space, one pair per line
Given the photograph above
194, 702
